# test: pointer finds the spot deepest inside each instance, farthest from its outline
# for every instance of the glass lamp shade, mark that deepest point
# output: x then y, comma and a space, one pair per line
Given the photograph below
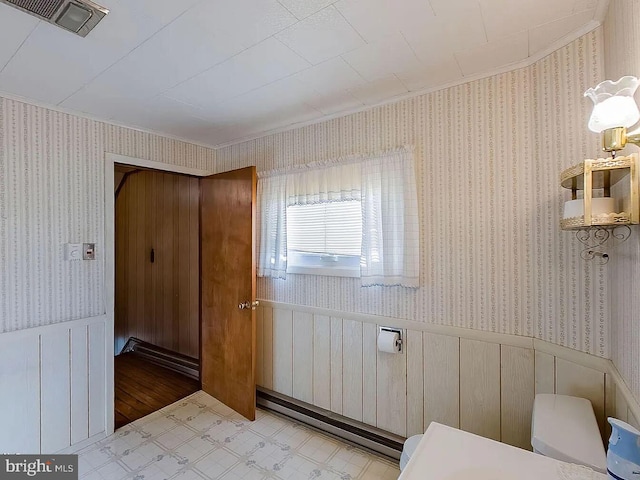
613, 104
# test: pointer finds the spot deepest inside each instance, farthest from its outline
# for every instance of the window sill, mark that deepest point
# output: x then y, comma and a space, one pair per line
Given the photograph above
325, 271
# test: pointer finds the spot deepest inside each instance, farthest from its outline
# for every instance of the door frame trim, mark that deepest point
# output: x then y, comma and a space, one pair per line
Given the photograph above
110, 159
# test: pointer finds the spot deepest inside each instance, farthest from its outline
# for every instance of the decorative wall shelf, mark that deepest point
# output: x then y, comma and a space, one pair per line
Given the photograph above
598, 218
601, 174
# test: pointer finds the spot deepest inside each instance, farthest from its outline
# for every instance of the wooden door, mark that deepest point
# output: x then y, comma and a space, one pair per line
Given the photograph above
228, 279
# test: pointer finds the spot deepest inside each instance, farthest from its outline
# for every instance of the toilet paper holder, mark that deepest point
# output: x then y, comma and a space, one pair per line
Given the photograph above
394, 330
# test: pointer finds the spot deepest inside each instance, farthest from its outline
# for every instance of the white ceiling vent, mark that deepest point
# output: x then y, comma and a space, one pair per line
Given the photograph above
77, 16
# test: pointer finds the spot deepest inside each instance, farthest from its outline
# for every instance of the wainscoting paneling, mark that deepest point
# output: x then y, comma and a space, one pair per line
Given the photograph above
609, 404
97, 372
545, 373
267, 339
369, 369
58, 389
391, 397
260, 346
517, 390
415, 382
622, 408
20, 410
352, 400
441, 379
55, 397
322, 361
336, 365
476, 381
303, 356
581, 381
79, 384
283, 351
480, 388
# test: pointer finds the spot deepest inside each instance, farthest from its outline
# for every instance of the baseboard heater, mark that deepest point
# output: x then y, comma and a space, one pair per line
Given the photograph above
163, 357
351, 431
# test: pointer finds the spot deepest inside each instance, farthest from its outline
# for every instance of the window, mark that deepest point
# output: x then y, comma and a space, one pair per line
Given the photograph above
352, 216
325, 238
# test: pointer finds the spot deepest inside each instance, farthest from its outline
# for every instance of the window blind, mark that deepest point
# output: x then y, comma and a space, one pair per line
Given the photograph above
325, 228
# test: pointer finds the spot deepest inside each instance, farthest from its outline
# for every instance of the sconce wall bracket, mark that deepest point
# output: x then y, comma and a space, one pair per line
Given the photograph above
595, 239
615, 139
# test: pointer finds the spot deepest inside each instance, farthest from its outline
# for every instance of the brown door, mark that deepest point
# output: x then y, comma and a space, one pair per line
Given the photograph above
228, 279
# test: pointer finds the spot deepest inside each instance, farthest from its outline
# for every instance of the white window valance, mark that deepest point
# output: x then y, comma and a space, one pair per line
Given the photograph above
384, 183
331, 183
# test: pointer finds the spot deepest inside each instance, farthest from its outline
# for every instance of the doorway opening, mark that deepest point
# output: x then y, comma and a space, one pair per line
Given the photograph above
157, 290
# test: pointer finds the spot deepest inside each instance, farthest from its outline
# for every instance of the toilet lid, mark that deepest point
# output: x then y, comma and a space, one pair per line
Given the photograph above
565, 428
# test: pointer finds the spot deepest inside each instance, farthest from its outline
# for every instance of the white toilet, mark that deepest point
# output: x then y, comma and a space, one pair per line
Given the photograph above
410, 446
565, 428
562, 427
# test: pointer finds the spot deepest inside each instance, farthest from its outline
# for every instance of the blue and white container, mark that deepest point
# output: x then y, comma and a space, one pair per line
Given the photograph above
623, 457
410, 446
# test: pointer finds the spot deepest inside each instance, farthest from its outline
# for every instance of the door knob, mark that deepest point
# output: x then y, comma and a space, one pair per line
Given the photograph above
246, 305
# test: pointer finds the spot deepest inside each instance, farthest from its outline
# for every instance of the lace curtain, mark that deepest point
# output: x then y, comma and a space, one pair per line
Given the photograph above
272, 227
324, 184
386, 186
390, 223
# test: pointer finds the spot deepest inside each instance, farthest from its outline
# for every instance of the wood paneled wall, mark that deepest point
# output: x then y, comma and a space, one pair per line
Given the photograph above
55, 378
480, 382
64, 368
158, 302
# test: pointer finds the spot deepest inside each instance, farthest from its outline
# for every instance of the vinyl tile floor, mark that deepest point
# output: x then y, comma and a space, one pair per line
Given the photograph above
200, 438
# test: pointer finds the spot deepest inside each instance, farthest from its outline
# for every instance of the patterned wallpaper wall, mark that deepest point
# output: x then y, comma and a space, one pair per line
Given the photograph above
51, 193
493, 256
489, 155
622, 57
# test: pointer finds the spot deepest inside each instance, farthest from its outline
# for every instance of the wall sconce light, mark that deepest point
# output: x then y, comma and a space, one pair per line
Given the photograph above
614, 111
593, 213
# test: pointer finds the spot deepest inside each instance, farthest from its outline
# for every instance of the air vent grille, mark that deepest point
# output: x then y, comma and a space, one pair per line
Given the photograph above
42, 8
76, 16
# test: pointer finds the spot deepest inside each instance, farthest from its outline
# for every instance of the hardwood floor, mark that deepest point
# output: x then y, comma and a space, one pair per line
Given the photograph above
142, 388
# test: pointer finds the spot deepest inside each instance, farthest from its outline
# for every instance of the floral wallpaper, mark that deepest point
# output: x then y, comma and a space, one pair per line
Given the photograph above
52, 193
489, 155
622, 55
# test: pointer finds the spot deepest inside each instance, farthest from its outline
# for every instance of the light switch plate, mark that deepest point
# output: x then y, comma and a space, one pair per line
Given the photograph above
89, 251
72, 251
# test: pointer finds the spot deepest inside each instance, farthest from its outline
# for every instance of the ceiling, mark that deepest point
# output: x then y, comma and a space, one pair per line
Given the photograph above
217, 71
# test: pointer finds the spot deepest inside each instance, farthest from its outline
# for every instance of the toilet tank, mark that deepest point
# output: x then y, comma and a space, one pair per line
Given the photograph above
565, 428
